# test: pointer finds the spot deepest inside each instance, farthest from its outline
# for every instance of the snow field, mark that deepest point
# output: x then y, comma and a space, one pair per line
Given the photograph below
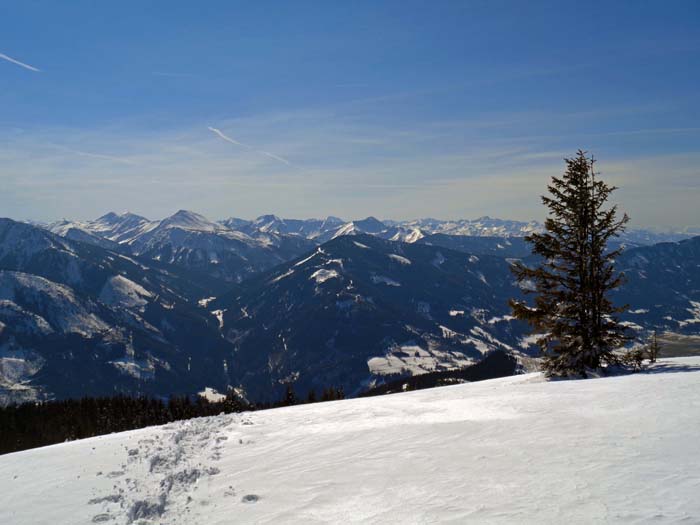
513, 450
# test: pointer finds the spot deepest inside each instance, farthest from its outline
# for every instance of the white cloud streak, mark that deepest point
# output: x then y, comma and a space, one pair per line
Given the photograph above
276, 157
220, 134
351, 168
94, 155
225, 137
20, 64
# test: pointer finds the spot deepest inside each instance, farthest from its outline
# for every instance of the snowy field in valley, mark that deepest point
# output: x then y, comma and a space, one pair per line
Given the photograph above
513, 450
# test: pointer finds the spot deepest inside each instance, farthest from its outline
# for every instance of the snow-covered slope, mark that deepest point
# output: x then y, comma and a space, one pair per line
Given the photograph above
107, 231
190, 241
234, 249
483, 227
513, 450
121, 228
76, 319
80, 232
361, 310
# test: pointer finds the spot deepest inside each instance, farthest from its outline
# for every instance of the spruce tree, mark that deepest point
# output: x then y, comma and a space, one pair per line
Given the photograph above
654, 347
290, 397
572, 310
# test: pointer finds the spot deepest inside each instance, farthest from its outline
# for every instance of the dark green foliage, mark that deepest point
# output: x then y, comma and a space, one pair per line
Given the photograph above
634, 358
333, 394
31, 425
290, 397
653, 348
311, 398
572, 309
38, 424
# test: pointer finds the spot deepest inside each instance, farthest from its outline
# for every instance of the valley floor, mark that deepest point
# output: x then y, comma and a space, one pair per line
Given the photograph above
513, 450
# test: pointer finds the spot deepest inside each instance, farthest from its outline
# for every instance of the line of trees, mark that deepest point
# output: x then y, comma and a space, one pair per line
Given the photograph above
31, 425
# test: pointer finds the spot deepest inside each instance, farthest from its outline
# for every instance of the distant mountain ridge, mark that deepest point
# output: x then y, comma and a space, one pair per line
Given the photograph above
187, 303
124, 227
234, 248
189, 240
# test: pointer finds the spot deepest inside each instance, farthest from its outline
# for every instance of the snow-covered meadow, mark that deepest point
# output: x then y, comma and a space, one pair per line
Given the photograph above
514, 450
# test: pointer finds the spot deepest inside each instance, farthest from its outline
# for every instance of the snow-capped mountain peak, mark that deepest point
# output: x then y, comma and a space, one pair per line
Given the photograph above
189, 220
370, 225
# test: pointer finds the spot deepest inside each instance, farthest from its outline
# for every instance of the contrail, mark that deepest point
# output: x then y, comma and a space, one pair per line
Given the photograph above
272, 156
227, 139
20, 64
94, 155
222, 136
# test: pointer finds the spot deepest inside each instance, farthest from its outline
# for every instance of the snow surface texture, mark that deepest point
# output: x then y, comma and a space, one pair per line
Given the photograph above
119, 290
513, 450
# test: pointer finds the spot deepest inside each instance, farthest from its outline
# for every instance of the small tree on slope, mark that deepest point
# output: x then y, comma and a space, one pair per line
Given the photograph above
572, 283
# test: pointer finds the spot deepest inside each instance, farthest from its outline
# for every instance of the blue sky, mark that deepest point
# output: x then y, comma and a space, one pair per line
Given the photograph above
395, 109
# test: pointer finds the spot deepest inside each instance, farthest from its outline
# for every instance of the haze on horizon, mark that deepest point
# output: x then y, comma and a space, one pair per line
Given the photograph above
394, 109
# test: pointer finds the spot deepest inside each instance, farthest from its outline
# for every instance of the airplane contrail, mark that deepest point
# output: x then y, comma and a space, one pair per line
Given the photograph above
276, 157
225, 137
20, 64
94, 155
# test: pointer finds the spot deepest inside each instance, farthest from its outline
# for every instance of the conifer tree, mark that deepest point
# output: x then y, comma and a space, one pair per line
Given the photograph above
572, 310
654, 347
290, 397
311, 397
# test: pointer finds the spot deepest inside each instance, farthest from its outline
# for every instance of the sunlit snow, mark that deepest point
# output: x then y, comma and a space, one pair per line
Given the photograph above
513, 450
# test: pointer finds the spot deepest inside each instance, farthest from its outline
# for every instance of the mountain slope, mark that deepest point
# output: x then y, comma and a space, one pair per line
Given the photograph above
191, 241
76, 320
514, 247
663, 286
355, 312
512, 450
361, 308
307, 228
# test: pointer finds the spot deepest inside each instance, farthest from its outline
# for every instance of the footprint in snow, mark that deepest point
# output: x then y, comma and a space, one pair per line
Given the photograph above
101, 518
250, 498
113, 498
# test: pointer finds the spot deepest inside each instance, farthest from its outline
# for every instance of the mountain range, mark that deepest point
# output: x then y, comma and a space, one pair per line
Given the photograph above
233, 249
125, 304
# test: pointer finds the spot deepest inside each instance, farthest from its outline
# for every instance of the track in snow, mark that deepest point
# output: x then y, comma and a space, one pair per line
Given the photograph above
512, 450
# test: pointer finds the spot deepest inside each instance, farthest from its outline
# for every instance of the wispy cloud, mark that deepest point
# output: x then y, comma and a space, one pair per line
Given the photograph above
100, 156
653, 131
276, 157
225, 137
350, 166
20, 64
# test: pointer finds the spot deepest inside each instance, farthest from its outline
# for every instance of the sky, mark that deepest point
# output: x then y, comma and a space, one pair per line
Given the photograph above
305, 109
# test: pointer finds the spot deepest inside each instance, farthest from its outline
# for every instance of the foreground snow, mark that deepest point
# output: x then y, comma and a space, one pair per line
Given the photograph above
513, 450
